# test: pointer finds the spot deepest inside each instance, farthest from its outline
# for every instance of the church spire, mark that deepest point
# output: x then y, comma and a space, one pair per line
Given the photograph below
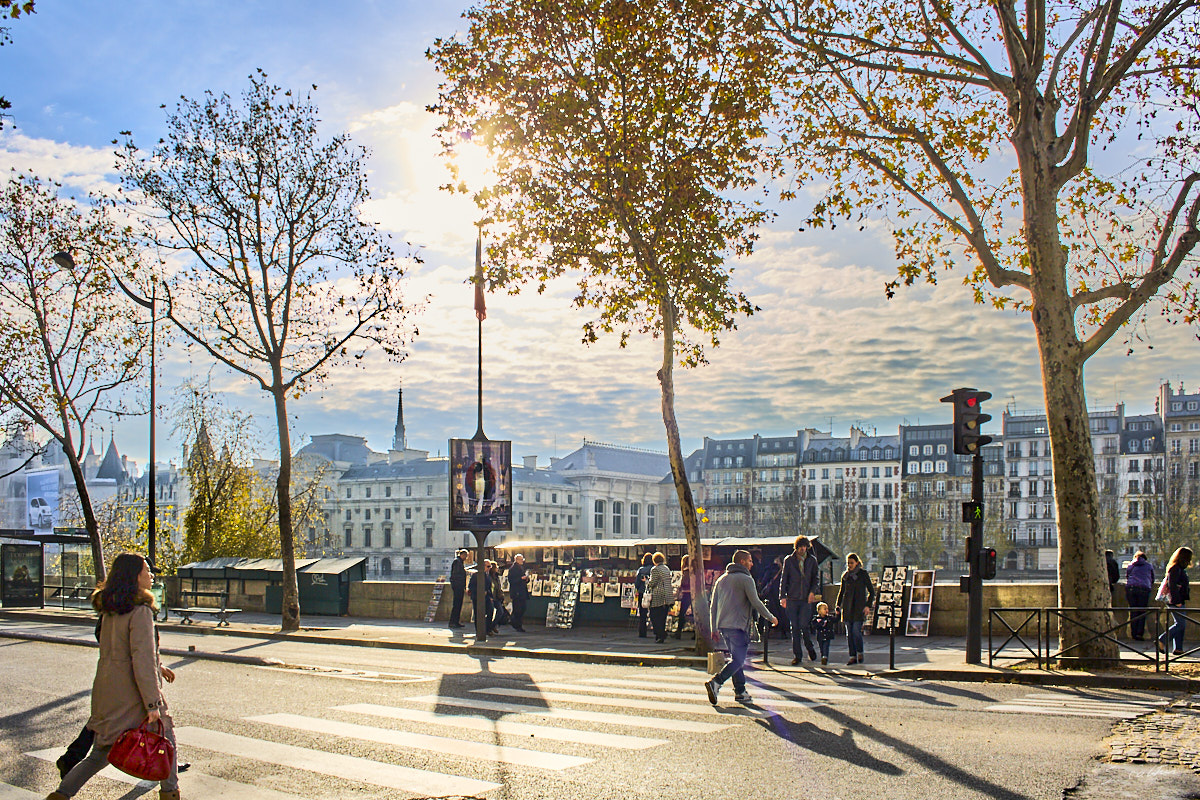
399, 440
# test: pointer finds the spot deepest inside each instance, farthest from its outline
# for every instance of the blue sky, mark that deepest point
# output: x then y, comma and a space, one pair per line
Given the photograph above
828, 350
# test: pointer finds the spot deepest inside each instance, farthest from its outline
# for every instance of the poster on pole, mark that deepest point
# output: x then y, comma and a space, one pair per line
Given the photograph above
889, 599
41, 500
21, 576
920, 603
480, 485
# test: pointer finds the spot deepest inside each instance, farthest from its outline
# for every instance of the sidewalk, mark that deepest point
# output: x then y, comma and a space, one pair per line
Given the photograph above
916, 658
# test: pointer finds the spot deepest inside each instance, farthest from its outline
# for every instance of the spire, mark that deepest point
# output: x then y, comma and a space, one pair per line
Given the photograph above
111, 466
399, 440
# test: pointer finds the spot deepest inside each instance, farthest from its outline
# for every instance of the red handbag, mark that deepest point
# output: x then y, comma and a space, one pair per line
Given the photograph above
142, 753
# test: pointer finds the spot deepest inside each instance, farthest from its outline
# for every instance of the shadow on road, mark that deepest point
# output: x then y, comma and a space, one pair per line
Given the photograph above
826, 743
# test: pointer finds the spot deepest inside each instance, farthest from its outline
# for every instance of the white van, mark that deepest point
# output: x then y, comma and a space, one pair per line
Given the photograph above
40, 513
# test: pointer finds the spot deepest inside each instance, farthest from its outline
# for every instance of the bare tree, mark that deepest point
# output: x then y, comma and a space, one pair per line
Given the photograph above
282, 279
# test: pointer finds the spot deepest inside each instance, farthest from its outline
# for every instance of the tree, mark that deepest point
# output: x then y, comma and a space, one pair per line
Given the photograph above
926, 524
979, 129
229, 512
624, 136
69, 344
282, 279
12, 9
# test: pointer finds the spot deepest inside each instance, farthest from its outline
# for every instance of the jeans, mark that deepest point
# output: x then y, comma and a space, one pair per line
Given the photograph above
739, 643
97, 760
643, 616
1175, 632
824, 645
854, 638
799, 614
1138, 598
685, 602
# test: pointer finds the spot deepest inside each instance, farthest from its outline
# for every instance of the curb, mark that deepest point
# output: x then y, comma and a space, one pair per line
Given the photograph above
1161, 682
229, 658
575, 656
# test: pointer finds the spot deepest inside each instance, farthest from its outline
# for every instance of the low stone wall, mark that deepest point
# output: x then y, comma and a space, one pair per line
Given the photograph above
401, 600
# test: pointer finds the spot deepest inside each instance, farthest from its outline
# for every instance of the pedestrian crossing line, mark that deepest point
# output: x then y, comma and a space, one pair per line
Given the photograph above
489, 725
578, 715
194, 783
694, 694
483, 751
350, 768
1065, 712
1092, 700
791, 691
623, 702
9, 792
1084, 703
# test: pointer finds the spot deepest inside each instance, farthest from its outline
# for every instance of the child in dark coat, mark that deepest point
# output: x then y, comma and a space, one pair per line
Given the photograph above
824, 628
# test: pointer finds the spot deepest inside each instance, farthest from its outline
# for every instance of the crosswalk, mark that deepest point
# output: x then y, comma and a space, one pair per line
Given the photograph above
1067, 703
463, 743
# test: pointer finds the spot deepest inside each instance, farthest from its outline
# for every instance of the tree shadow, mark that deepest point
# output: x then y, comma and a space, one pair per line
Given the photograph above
958, 692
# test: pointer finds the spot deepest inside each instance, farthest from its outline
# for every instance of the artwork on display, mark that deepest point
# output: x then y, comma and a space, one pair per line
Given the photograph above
593, 553
564, 557
706, 552
480, 485
598, 593
585, 593
548, 555
612, 588
674, 549
920, 603
535, 586
628, 596
889, 599
551, 615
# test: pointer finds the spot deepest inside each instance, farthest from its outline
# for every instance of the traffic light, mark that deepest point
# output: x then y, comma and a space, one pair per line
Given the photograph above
989, 563
968, 418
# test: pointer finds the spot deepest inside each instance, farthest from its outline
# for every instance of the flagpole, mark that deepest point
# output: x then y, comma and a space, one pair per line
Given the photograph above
480, 313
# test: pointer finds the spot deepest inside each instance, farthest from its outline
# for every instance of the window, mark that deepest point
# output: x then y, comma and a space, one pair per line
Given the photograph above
1133, 465
347, 492
408, 538
1133, 509
408, 513
927, 450
927, 467
367, 515
385, 567
429, 490
554, 497
408, 491
520, 495
428, 538
537, 497
387, 537
941, 466
914, 451
635, 514
617, 508
348, 539
429, 513
406, 565
599, 506
368, 495
520, 516
570, 499
387, 491
538, 516
1133, 445
941, 449
649, 519
347, 515
366, 537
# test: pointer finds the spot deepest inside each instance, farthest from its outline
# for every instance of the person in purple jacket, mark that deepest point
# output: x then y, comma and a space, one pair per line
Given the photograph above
1139, 582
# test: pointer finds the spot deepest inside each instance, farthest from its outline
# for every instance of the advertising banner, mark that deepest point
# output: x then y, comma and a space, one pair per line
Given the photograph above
480, 485
41, 500
21, 576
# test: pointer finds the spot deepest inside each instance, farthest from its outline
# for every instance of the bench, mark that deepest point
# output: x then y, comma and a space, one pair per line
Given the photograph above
222, 614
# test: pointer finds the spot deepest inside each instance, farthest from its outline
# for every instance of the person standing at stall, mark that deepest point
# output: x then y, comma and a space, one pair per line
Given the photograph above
458, 585
659, 587
639, 583
1139, 582
1179, 591
518, 591
853, 599
685, 596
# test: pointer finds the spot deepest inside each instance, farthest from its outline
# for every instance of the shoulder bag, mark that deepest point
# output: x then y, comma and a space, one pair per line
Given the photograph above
1164, 590
143, 753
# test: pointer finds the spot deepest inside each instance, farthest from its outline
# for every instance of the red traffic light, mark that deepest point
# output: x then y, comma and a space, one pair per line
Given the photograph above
972, 401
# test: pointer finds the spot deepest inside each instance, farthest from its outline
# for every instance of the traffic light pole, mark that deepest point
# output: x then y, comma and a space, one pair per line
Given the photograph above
975, 565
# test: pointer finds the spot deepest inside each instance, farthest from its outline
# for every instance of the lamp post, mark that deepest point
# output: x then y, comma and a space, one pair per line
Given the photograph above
64, 260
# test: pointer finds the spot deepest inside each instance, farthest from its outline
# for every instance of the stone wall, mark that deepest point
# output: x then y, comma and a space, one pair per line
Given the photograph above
399, 600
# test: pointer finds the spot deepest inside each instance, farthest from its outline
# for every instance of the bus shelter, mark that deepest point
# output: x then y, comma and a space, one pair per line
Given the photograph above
37, 570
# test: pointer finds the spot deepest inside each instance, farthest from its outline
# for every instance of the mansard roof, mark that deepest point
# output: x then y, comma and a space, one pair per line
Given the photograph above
611, 458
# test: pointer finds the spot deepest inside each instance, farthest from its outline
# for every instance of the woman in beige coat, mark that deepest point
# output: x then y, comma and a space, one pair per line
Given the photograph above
128, 685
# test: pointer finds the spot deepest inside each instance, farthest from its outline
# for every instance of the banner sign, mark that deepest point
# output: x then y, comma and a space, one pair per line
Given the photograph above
21, 577
41, 500
480, 485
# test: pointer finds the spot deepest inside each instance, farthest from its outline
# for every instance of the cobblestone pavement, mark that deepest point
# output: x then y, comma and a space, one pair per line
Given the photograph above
1170, 736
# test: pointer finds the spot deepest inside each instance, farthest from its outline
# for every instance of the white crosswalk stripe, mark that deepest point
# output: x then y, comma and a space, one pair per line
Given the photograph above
8, 792
701, 706
351, 768
629, 720
477, 722
1070, 705
198, 784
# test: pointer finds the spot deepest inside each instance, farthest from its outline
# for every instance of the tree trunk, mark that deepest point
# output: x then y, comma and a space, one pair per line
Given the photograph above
290, 619
683, 489
89, 514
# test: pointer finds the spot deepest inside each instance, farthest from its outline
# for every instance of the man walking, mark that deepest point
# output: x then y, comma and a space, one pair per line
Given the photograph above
1139, 582
458, 585
733, 599
797, 594
518, 591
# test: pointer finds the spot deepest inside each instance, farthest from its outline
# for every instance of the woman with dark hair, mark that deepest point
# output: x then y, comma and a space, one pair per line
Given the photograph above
128, 685
639, 583
1179, 591
661, 596
853, 600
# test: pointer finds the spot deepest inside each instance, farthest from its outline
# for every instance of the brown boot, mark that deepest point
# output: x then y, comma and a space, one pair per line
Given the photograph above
169, 795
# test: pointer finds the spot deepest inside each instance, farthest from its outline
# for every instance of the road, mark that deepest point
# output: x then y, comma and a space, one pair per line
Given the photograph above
364, 723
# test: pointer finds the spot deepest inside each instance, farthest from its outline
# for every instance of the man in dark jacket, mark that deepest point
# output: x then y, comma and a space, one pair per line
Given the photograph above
1139, 582
458, 585
1114, 570
797, 594
518, 591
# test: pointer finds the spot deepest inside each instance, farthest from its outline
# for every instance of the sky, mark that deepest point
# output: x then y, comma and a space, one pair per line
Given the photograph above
827, 350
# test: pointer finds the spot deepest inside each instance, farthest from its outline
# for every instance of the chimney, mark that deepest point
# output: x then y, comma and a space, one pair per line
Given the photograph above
530, 462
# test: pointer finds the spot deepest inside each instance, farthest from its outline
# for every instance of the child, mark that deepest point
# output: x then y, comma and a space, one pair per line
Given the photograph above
824, 628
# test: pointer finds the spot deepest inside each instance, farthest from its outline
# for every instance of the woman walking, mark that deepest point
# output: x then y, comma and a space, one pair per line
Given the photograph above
128, 685
1179, 592
853, 599
659, 587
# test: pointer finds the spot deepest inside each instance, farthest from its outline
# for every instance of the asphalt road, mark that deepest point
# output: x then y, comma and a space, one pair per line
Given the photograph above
336, 722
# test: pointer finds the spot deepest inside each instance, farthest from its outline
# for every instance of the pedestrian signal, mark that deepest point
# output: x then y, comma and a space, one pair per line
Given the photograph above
968, 418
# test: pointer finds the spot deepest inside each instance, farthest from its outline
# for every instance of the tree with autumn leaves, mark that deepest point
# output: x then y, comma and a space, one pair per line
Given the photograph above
626, 139
1050, 146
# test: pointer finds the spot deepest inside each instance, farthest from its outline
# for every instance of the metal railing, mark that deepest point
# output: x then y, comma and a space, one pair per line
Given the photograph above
1046, 625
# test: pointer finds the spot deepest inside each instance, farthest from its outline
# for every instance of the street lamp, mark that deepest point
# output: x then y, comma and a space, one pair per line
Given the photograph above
64, 260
